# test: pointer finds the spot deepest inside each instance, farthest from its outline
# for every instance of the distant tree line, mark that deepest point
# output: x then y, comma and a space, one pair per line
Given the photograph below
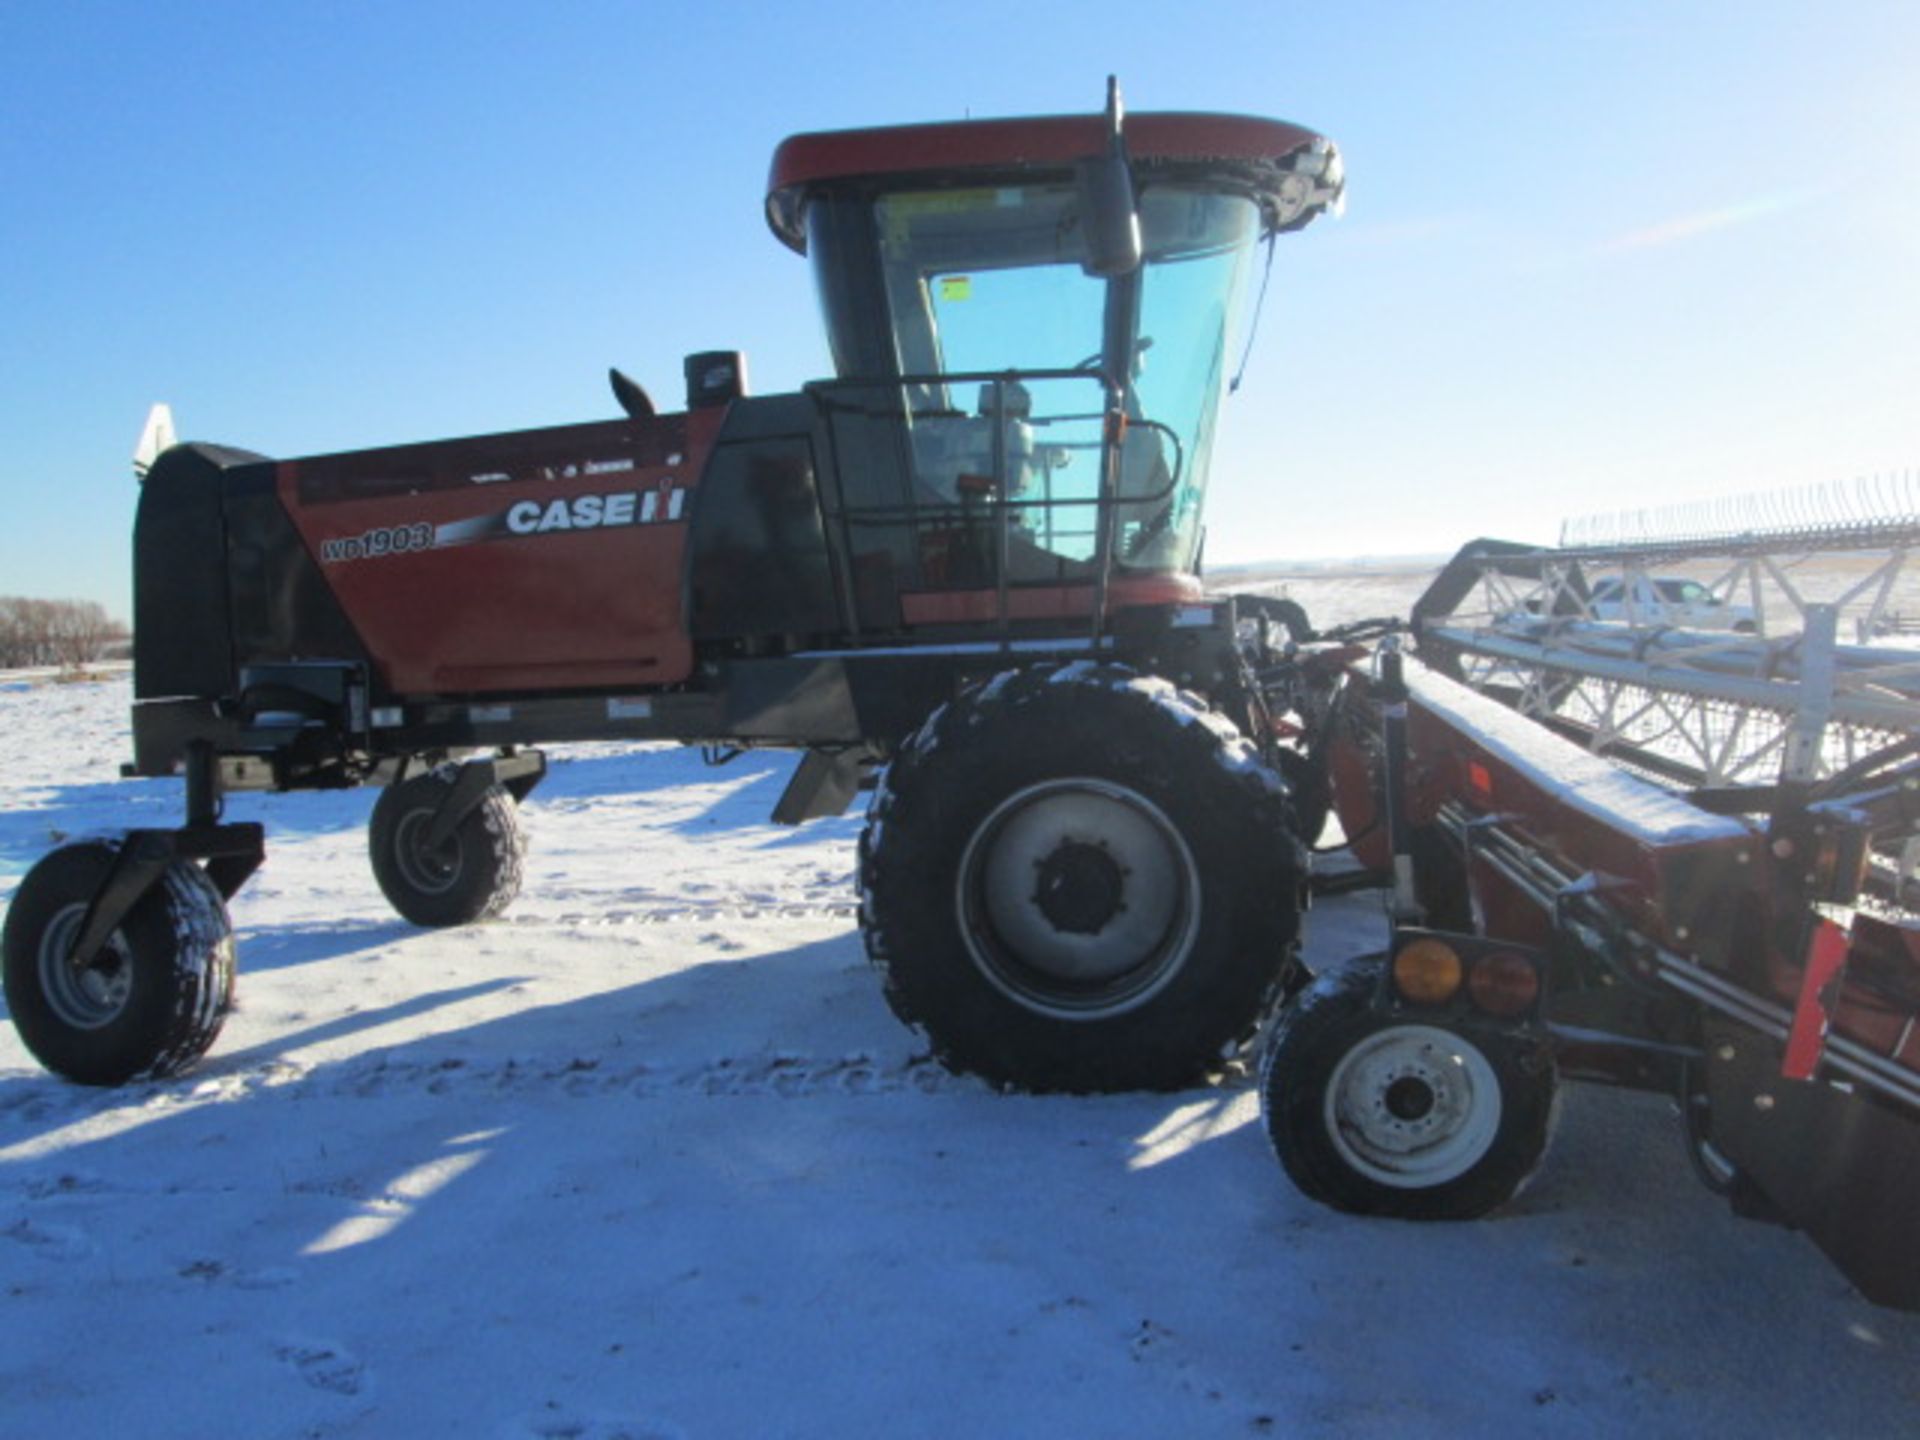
54, 632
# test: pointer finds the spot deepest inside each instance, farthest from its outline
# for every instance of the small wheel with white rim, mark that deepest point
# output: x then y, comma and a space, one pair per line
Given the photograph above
1383, 1114
1412, 1106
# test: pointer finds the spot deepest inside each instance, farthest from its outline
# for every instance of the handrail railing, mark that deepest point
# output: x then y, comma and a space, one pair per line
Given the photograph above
992, 508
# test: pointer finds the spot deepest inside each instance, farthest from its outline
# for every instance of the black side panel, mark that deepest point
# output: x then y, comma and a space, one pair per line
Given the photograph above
1839, 1164
846, 247
789, 702
893, 695
870, 497
180, 621
758, 564
282, 608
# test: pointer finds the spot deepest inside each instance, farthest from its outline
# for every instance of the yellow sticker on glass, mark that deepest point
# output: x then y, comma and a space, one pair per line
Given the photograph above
956, 287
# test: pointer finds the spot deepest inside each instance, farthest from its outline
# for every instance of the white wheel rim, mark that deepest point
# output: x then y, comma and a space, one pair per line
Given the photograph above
1140, 898
1413, 1107
90, 998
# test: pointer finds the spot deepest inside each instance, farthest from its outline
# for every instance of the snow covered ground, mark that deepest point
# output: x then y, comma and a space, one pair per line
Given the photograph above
649, 1157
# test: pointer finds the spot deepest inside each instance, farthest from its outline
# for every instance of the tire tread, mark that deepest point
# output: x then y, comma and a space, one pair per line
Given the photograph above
930, 796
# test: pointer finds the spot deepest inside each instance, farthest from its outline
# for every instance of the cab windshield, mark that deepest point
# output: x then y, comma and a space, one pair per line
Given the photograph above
979, 282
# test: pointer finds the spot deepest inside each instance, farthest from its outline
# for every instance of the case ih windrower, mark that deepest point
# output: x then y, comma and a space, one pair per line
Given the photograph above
971, 558
969, 566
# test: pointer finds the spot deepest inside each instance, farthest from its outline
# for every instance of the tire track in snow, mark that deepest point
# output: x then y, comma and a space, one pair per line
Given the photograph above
323, 1365
784, 1075
694, 913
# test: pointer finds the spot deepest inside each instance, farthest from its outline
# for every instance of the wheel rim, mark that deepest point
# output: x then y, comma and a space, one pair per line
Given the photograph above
427, 869
1078, 898
1413, 1107
90, 998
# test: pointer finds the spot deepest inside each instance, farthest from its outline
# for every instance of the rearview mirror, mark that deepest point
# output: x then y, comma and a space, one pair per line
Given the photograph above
1112, 219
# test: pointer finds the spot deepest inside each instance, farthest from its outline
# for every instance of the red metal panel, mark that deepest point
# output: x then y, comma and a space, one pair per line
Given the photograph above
1878, 1001
1656, 881
1677, 884
1826, 962
1042, 141
555, 557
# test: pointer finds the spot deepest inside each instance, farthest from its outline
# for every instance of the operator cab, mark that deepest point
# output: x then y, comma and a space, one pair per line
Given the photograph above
1000, 371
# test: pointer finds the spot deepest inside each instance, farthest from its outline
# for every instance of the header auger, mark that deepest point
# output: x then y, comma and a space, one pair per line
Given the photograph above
1625, 849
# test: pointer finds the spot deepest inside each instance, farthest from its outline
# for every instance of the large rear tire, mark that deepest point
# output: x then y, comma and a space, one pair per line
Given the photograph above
1388, 1114
1077, 878
473, 875
152, 1002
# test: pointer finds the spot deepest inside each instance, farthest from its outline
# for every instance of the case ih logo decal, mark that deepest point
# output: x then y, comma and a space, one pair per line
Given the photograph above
664, 504
595, 512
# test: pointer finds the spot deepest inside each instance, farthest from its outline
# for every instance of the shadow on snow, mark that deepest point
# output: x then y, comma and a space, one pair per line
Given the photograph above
752, 1157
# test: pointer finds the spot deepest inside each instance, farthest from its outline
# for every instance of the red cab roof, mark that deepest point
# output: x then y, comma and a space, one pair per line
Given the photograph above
1237, 143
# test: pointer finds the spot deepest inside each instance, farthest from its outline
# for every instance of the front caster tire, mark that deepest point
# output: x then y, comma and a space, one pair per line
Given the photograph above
1080, 879
1386, 1114
473, 874
155, 998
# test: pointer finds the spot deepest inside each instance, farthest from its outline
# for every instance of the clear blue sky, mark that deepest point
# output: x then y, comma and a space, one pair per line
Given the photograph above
1595, 256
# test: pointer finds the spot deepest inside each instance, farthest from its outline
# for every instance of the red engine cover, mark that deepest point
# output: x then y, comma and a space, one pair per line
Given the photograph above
533, 561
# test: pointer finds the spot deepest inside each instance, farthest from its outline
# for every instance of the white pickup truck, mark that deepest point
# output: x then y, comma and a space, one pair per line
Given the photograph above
1687, 604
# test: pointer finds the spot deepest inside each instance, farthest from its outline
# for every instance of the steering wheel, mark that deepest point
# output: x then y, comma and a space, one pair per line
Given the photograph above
1140, 347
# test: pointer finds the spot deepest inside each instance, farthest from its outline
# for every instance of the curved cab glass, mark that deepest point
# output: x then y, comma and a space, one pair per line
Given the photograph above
981, 281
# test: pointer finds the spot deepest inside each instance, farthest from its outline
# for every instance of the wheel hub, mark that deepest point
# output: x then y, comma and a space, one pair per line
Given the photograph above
1080, 888
86, 997
1409, 1098
431, 869
1413, 1106
1078, 898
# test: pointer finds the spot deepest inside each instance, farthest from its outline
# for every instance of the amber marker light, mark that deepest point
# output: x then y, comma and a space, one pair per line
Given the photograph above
1504, 984
1427, 972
